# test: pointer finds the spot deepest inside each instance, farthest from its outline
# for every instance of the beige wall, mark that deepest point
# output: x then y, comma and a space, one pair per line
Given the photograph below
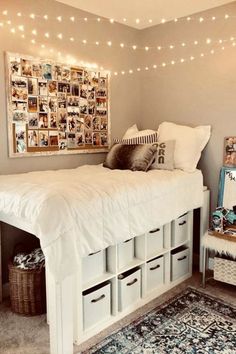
199, 92
193, 93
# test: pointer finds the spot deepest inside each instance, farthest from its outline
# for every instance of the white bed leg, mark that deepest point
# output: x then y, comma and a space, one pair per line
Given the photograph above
61, 315
204, 223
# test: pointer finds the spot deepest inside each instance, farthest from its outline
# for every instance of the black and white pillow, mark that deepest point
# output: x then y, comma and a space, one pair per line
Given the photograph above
146, 139
137, 157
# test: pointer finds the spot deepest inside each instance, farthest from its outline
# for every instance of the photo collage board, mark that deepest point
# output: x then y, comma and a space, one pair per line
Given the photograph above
56, 108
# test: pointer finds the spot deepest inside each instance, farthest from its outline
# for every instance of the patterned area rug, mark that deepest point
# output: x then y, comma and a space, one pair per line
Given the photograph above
191, 323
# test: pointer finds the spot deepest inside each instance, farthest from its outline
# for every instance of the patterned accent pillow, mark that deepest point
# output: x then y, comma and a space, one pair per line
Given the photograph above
164, 159
146, 139
130, 157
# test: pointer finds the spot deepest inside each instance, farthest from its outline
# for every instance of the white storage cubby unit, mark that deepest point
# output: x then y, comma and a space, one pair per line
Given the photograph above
121, 278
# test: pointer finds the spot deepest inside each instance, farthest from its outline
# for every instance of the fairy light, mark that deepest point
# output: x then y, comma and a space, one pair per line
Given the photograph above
146, 68
21, 28
72, 39
134, 47
34, 32
46, 35
192, 58
32, 16
1, 24
45, 17
188, 18
196, 42
163, 20
213, 18
232, 38
154, 66
84, 41
138, 69
42, 45
72, 18
112, 20
123, 72
59, 35
33, 41
147, 48
208, 41
163, 64
115, 73
23, 36
124, 19
171, 46
59, 18
150, 20
122, 45
19, 14
222, 48
212, 51
137, 20
159, 47
233, 44
13, 30
109, 43
9, 22
182, 60
226, 16
172, 62
5, 12
98, 19
183, 44
130, 71
97, 43
175, 20
201, 19
85, 19
220, 41
202, 55
51, 50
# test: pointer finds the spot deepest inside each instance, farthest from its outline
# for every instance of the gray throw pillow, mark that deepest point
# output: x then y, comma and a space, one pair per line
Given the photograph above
130, 157
164, 159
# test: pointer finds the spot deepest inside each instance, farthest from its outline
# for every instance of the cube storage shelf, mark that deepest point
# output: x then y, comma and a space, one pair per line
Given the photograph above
120, 279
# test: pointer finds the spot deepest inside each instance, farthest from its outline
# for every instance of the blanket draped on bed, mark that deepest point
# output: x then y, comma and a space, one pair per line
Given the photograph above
79, 211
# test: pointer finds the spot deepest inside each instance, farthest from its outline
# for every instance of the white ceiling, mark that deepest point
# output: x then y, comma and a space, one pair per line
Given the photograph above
144, 10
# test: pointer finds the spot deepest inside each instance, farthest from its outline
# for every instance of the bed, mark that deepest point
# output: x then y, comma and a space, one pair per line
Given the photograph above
86, 209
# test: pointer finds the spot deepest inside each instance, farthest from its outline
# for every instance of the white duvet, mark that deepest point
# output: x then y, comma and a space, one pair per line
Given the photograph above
79, 211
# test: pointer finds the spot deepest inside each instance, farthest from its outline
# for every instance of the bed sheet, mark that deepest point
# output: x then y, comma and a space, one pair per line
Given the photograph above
78, 211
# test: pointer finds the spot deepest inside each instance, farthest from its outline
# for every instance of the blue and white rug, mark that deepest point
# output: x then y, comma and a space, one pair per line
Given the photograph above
191, 323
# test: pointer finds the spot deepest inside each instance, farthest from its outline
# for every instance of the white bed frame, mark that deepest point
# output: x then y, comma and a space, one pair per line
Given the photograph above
61, 313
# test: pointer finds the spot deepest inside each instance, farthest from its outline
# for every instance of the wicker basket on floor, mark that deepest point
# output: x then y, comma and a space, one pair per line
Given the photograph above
27, 290
225, 270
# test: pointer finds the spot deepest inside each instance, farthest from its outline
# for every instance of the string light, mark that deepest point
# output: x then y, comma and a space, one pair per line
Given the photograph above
183, 44
146, 48
201, 19
195, 42
98, 19
59, 35
21, 28
5, 12
159, 47
171, 46
72, 18
1, 24
115, 73
134, 47
33, 41
59, 18
213, 18
130, 71
45, 17
182, 60
46, 35
208, 41
72, 39
122, 45
226, 16
154, 66
172, 62
84, 41
124, 19
163, 21
9, 22
138, 69
147, 68
137, 20
112, 20
13, 30
150, 20
109, 43
188, 18
163, 64
97, 43
34, 32
42, 45
32, 16
85, 19
19, 14
175, 20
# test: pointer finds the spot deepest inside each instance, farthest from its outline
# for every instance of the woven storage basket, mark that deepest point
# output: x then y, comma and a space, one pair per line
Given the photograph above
27, 290
225, 270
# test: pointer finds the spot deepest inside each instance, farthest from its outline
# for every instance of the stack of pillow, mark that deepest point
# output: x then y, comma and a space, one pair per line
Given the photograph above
172, 146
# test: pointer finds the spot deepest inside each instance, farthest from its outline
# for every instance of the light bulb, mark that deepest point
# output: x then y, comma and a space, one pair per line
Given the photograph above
201, 19
112, 20
109, 43
188, 18
1, 24
146, 48
59, 18
226, 16
9, 22
123, 72
176, 20
233, 44
131, 71
183, 44
159, 47
4, 12
154, 66
59, 35
147, 68
173, 62
134, 47
13, 30
21, 28
33, 41
150, 20
124, 19
32, 16
232, 38
182, 60
220, 41
122, 45
222, 48
98, 19
212, 51
19, 14
137, 20
191, 58
213, 18
46, 35
163, 20
115, 73
22, 36
208, 41
34, 32
195, 42
84, 41
97, 43
85, 19
72, 39
138, 69
45, 17
72, 18
171, 46
202, 55
163, 64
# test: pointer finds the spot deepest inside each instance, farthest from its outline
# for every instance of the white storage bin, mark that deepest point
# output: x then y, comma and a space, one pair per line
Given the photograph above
155, 273
179, 262
96, 305
93, 266
179, 230
129, 288
155, 241
125, 253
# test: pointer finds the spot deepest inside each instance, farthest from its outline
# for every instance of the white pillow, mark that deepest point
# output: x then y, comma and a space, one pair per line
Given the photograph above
130, 131
133, 132
189, 143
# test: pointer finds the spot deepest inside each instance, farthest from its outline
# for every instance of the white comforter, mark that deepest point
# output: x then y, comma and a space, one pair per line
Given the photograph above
79, 211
